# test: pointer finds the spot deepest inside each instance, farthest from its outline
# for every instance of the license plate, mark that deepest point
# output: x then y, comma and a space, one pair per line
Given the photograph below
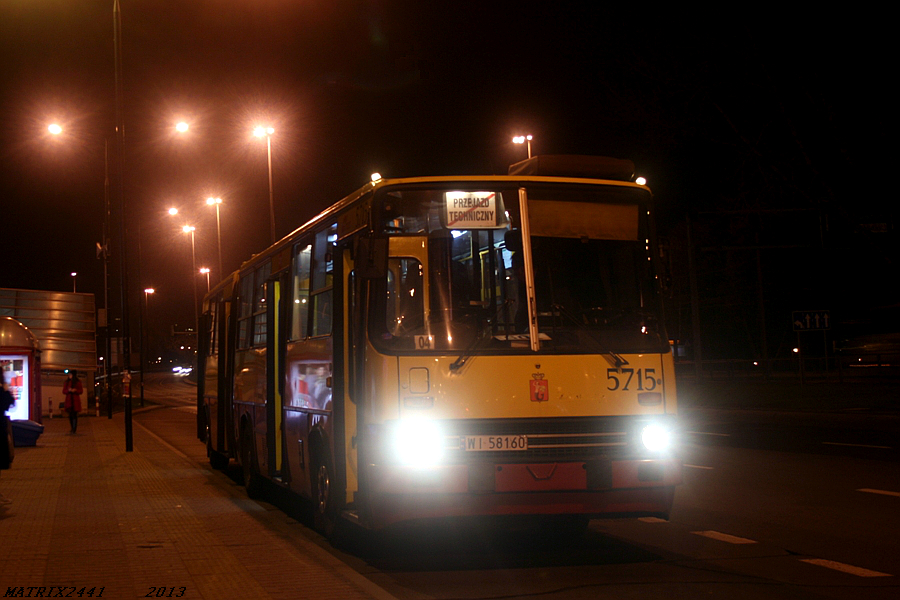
493, 443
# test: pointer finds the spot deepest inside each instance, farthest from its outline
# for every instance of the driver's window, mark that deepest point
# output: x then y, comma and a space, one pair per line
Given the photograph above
405, 312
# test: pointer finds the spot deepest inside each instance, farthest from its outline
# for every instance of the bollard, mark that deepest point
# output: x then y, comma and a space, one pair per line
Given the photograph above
50, 406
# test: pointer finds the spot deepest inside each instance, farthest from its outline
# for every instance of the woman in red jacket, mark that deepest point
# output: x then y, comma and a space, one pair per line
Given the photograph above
72, 390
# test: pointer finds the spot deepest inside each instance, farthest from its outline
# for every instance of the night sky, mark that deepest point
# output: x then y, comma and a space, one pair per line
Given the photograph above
767, 112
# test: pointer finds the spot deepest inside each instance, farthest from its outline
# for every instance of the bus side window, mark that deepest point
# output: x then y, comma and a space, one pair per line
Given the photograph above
300, 299
246, 310
322, 281
214, 318
260, 326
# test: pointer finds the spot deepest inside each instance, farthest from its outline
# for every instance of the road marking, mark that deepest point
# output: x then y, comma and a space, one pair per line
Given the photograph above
697, 467
857, 445
882, 492
858, 571
163, 442
724, 537
709, 433
652, 520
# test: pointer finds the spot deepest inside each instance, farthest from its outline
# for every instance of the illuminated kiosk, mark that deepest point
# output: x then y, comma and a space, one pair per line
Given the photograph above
20, 361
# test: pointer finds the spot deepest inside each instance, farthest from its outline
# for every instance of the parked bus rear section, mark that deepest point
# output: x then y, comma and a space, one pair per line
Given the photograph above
451, 347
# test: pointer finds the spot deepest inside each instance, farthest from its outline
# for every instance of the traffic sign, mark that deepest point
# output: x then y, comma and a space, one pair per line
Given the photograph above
811, 320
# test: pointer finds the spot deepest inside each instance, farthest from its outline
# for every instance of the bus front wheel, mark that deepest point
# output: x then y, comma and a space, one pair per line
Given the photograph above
324, 517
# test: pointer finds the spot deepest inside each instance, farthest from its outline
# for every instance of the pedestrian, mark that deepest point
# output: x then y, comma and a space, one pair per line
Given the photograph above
72, 390
6, 447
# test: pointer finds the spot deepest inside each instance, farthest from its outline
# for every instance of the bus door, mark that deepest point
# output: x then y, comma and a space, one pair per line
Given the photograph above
275, 343
308, 360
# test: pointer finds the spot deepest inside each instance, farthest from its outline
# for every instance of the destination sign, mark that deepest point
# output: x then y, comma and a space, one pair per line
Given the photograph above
471, 210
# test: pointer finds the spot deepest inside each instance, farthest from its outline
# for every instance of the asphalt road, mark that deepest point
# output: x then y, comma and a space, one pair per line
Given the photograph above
775, 504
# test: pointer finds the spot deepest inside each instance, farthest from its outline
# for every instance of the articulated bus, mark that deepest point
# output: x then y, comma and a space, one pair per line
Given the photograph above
436, 347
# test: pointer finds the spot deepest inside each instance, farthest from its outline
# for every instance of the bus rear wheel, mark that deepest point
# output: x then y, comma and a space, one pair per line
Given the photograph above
217, 460
249, 468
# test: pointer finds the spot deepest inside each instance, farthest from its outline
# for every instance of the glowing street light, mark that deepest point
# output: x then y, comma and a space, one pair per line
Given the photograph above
145, 308
74, 279
190, 229
523, 139
216, 202
205, 271
182, 127
259, 132
56, 129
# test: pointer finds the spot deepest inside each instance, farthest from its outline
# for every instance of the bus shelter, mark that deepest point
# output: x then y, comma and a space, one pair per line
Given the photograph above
20, 361
64, 326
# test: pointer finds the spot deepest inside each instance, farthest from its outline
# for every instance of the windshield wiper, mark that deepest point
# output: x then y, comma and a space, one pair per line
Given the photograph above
467, 354
618, 359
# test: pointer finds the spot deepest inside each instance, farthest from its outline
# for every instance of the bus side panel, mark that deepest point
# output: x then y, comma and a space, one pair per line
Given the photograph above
227, 344
345, 409
250, 401
216, 399
307, 405
212, 401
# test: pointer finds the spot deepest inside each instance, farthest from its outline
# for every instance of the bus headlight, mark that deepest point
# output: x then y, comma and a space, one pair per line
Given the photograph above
656, 438
418, 442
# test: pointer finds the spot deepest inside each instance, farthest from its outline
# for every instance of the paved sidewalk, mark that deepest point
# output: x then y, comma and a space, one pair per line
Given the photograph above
87, 515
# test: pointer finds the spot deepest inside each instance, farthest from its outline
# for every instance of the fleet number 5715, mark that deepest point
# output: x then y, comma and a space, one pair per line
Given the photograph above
622, 379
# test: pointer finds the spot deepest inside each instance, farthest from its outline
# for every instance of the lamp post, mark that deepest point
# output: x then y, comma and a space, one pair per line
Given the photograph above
74, 279
205, 271
216, 202
145, 342
190, 229
267, 132
523, 139
56, 129
201, 421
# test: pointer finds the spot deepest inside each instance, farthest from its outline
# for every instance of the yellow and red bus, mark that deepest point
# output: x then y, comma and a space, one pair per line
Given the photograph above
453, 347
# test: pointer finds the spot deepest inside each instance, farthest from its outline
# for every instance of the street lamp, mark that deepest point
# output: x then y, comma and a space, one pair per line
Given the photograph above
260, 131
205, 271
216, 202
145, 342
190, 229
523, 139
182, 127
74, 279
103, 249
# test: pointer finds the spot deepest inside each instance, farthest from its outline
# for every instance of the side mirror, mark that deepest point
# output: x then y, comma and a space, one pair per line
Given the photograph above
371, 257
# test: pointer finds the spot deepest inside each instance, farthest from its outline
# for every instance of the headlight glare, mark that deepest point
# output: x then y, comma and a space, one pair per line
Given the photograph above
656, 438
418, 442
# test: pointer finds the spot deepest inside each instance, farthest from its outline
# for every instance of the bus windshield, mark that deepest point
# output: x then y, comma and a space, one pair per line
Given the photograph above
456, 280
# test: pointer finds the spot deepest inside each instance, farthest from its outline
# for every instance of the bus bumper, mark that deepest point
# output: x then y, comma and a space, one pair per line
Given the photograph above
595, 488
